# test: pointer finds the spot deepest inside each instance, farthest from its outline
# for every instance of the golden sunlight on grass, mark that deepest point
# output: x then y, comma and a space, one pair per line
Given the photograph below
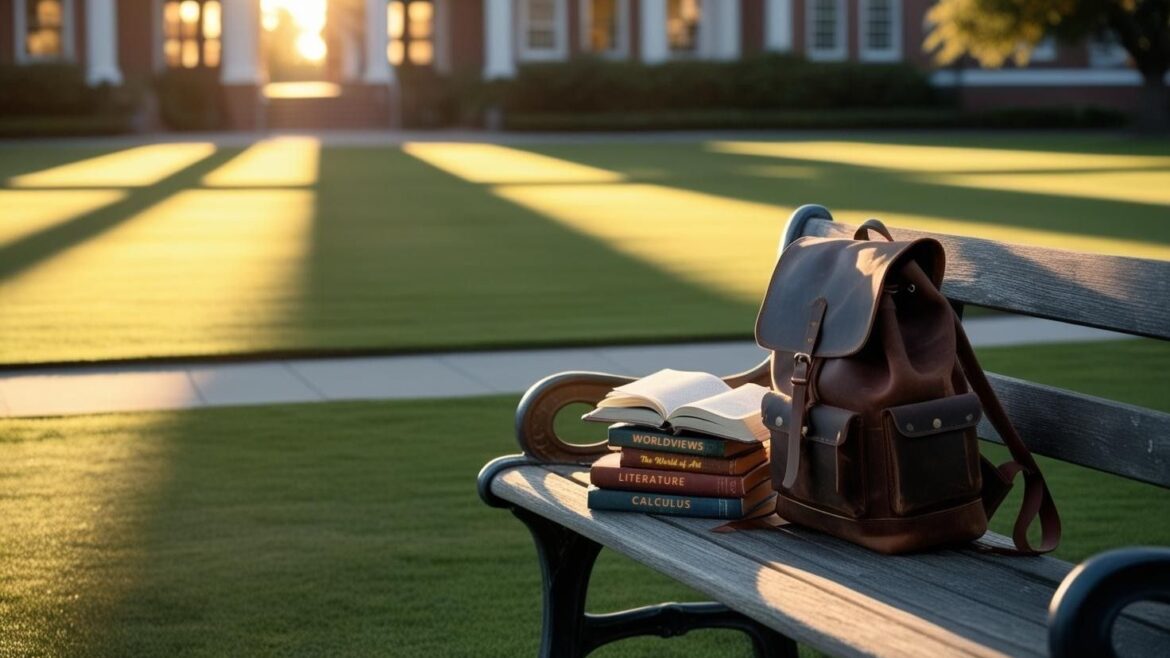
27, 212
278, 162
136, 167
492, 164
1011, 234
1132, 186
931, 159
71, 500
192, 263
720, 243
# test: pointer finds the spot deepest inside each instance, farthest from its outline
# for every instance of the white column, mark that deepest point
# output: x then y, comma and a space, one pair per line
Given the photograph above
499, 59
378, 69
653, 19
101, 42
241, 43
778, 26
722, 28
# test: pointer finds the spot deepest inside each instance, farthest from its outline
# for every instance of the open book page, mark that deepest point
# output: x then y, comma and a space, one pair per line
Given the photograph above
666, 390
733, 414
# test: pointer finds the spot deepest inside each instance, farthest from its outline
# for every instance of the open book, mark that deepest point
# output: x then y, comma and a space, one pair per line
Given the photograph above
684, 400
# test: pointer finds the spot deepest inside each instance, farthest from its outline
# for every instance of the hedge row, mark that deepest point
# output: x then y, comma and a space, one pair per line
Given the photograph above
763, 82
881, 118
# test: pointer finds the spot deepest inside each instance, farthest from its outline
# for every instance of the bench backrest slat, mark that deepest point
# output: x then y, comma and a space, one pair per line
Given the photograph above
1118, 438
1129, 295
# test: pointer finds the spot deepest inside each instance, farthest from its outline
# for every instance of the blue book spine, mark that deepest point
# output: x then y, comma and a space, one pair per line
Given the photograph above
631, 436
656, 503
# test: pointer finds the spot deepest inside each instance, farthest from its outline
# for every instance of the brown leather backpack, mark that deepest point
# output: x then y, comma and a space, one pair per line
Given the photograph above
872, 413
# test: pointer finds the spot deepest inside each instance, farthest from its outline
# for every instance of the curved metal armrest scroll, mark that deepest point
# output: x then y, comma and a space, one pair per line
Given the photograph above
1085, 607
535, 431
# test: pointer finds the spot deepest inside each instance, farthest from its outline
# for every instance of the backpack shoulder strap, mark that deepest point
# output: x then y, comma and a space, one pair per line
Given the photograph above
1037, 501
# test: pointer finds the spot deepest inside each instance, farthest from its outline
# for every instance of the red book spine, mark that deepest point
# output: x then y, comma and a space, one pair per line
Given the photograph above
611, 476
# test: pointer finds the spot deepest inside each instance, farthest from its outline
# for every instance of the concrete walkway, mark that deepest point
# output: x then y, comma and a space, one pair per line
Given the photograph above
99, 389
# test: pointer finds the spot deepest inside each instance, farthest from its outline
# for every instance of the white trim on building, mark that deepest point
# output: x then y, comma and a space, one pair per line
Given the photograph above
839, 49
557, 27
621, 45
1071, 77
654, 42
101, 43
20, 33
778, 25
891, 51
499, 60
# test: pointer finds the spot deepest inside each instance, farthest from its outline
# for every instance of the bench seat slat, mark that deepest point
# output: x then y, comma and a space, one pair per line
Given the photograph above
827, 592
811, 610
1130, 295
1109, 436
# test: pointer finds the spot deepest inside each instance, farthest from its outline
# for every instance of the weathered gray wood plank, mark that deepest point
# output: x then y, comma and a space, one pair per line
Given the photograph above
809, 608
1130, 295
993, 599
1109, 436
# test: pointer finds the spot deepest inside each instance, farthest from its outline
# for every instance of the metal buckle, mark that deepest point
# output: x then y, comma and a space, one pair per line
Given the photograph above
798, 359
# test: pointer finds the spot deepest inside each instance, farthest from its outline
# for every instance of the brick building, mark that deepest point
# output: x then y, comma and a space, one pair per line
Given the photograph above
351, 49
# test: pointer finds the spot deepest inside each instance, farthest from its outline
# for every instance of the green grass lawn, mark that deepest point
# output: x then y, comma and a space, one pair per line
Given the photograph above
378, 249
354, 529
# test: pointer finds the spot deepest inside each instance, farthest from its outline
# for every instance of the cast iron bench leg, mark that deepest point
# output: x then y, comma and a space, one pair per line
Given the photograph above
566, 562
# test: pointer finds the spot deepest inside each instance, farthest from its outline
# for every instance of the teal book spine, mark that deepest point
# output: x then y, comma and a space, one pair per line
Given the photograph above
632, 436
656, 503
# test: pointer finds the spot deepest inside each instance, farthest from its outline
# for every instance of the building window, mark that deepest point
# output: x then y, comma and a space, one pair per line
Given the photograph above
411, 27
191, 33
683, 19
543, 29
881, 30
605, 26
1106, 51
825, 29
44, 29
1045, 51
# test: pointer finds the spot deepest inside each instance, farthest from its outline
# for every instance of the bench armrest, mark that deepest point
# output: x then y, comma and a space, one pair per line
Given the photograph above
1085, 607
539, 407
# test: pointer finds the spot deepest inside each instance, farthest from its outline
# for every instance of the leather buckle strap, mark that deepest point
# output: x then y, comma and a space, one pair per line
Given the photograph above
801, 369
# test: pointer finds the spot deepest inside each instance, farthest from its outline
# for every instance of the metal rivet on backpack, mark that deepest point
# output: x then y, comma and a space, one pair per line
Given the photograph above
970, 417
909, 427
911, 288
937, 423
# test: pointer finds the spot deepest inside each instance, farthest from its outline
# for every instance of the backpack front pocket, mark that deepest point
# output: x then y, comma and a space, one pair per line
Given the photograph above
829, 474
933, 453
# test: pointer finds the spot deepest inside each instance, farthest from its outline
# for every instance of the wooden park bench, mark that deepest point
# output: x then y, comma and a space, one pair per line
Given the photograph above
793, 584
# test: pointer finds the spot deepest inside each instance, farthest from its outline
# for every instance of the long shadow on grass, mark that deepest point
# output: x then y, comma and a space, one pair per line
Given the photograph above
30, 250
407, 256
693, 167
336, 529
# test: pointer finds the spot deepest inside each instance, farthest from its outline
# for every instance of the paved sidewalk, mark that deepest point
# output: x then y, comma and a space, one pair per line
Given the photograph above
98, 389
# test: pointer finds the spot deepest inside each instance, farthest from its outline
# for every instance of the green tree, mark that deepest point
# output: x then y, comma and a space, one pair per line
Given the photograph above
994, 31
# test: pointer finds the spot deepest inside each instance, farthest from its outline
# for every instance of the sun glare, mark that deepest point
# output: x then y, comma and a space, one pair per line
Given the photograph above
308, 18
134, 167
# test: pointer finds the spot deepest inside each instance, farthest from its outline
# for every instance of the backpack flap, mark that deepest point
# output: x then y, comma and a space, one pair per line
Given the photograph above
849, 276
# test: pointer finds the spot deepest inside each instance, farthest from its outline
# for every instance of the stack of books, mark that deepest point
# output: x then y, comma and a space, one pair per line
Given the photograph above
688, 445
